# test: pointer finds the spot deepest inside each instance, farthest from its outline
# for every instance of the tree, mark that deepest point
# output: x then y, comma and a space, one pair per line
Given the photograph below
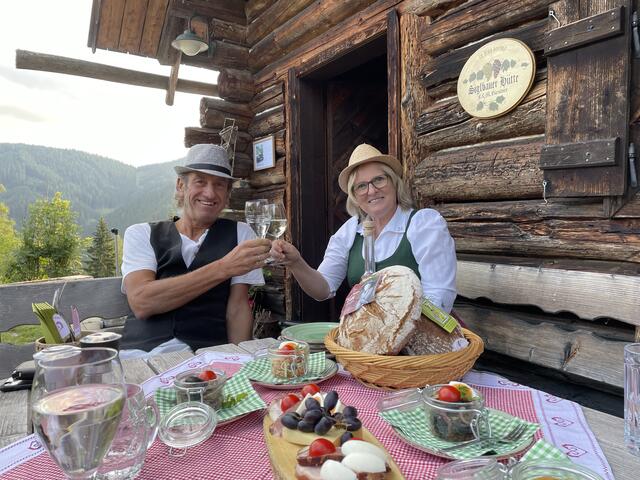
8, 239
101, 261
50, 241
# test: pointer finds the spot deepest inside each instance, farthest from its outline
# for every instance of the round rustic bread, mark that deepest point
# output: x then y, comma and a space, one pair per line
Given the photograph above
384, 326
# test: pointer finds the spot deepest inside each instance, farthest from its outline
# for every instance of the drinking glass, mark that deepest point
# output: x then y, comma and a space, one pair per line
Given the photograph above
632, 397
278, 224
77, 403
136, 433
257, 216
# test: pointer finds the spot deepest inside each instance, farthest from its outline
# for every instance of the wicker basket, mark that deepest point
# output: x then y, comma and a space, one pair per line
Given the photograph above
395, 372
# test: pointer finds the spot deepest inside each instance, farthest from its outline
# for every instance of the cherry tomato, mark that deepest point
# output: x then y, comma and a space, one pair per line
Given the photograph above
321, 446
289, 401
310, 389
449, 393
207, 375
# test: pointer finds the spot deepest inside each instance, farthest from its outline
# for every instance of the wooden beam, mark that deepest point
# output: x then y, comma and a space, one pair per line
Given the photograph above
111, 12
589, 295
132, 26
173, 80
228, 10
153, 25
275, 16
393, 83
254, 8
94, 25
81, 68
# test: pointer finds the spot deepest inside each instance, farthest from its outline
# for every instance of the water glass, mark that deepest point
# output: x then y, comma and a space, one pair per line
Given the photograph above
136, 433
632, 397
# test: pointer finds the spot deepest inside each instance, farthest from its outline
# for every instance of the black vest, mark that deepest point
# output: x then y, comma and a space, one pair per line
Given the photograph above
202, 321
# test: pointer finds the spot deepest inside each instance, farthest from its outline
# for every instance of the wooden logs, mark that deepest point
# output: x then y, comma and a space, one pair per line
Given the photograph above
225, 55
229, 32
267, 122
235, 85
214, 111
527, 119
254, 8
269, 97
195, 135
317, 18
496, 171
276, 15
242, 193
242, 165
270, 176
476, 19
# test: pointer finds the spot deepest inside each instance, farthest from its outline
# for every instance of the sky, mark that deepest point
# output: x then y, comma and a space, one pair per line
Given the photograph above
127, 123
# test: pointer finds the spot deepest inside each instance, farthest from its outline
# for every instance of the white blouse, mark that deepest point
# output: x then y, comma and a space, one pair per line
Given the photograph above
431, 244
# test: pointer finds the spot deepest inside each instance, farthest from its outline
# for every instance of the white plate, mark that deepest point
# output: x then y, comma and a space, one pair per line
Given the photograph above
330, 370
521, 446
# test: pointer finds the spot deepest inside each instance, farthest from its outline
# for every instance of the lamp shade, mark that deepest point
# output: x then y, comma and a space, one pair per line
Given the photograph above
189, 43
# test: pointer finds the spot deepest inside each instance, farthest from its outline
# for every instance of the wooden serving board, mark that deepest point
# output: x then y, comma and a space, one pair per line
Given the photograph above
283, 454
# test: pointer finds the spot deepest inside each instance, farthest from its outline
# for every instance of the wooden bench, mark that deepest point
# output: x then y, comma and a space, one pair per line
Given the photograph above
94, 297
574, 343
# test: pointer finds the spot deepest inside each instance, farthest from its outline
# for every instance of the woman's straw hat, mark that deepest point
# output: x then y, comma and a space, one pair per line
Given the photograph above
365, 153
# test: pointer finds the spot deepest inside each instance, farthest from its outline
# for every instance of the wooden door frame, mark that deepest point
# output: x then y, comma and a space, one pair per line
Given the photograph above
304, 183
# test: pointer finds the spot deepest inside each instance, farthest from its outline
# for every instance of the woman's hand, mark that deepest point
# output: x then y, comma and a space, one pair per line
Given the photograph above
285, 253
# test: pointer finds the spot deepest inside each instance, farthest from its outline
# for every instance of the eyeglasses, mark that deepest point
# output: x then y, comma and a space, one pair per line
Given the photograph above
377, 182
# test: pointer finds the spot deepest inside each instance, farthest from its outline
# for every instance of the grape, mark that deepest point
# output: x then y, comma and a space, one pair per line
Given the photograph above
323, 426
352, 424
305, 426
312, 404
312, 416
338, 416
345, 437
291, 420
330, 419
330, 400
350, 412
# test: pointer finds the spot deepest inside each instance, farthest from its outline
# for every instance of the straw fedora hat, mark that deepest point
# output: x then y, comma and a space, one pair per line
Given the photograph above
362, 154
207, 158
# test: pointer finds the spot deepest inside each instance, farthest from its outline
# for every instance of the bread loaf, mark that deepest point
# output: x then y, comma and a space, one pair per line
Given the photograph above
429, 339
384, 326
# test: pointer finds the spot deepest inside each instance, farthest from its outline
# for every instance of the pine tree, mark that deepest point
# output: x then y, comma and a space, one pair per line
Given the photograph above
101, 261
8, 239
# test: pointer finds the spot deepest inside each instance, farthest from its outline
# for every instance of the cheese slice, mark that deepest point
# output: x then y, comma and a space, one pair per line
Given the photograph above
302, 438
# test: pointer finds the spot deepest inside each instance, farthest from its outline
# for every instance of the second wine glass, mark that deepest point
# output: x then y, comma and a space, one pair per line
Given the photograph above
258, 217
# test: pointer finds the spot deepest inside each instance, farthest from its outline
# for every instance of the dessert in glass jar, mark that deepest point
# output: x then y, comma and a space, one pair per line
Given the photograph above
289, 360
551, 470
201, 385
455, 412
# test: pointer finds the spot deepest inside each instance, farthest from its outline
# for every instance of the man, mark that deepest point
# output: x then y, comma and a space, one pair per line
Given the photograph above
187, 280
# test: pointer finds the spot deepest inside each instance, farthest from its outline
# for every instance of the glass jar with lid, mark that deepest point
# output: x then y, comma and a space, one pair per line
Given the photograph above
551, 470
473, 469
201, 385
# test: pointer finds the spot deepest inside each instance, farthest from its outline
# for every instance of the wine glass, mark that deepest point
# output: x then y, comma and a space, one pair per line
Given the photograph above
278, 225
257, 216
77, 403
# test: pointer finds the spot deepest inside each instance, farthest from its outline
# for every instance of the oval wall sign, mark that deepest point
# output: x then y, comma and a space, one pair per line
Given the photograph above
496, 78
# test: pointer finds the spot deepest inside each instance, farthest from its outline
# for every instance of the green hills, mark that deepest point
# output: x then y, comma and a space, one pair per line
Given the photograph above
96, 186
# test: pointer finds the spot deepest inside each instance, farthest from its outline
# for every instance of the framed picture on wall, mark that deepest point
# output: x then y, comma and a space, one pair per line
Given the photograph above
264, 153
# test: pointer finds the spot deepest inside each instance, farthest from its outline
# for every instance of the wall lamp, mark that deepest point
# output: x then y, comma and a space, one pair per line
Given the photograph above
191, 44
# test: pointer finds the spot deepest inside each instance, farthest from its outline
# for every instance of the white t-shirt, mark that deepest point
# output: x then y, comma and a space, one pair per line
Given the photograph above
138, 254
431, 245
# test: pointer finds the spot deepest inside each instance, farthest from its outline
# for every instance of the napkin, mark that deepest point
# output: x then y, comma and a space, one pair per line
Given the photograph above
260, 370
543, 450
166, 399
413, 425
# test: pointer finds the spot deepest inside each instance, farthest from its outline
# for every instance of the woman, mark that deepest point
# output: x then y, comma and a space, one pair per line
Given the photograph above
418, 239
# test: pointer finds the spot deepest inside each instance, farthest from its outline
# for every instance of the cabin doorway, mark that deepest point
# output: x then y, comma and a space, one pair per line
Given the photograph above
339, 106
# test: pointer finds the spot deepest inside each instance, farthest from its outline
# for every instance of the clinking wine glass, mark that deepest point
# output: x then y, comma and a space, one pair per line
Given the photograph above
77, 403
278, 224
258, 217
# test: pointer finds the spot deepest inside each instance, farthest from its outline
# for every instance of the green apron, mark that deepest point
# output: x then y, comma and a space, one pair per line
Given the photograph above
402, 256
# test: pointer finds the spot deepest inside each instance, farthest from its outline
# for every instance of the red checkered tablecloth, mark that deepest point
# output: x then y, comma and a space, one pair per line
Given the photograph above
237, 451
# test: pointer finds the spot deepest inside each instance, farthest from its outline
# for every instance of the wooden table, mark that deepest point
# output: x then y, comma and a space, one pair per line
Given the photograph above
15, 422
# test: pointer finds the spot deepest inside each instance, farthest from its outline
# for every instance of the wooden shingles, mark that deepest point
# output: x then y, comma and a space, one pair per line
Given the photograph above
153, 24
111, 12
132, 25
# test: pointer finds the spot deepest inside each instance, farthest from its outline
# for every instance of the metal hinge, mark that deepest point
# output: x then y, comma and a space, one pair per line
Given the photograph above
636, 36
633, 178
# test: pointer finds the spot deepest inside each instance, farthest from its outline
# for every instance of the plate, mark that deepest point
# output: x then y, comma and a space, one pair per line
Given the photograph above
312, 333
330, 370
523, 445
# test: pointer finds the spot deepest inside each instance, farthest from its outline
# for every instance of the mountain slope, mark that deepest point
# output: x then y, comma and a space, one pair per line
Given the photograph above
95, 185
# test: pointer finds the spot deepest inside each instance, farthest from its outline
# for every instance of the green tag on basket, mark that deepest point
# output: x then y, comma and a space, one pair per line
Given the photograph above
438, 316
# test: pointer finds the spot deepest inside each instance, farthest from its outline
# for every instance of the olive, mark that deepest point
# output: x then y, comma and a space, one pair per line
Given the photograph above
290, 421
323, 426
350, 412
345, 437
352, 424
312, 416
192, 379
305, 426
330, 400
312, 404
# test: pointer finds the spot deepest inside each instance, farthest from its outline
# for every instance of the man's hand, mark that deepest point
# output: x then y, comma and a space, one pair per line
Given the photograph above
247, 256
285, 253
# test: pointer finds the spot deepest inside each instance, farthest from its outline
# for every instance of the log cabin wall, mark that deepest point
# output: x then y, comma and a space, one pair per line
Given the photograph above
483, 176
